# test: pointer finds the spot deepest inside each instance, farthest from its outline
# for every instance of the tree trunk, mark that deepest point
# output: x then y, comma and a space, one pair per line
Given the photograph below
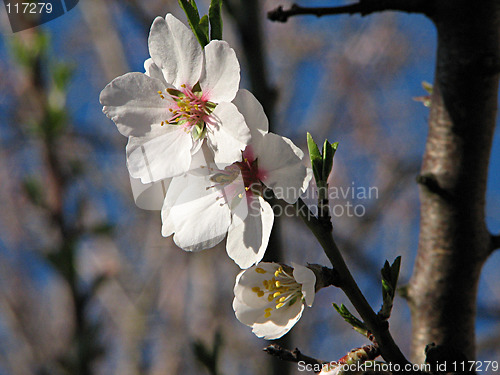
454, 242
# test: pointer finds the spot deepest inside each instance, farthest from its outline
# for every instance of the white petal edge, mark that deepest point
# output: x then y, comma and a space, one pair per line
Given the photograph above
229, 136
220, 78
152, 70
307, 279
175, 50
272, 331
133, 103
247, 239
253, 112
281, 164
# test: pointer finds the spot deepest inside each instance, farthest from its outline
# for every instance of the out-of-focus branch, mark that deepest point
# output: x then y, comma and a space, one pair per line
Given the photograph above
105, 37
45, 79
363, 7
246, 15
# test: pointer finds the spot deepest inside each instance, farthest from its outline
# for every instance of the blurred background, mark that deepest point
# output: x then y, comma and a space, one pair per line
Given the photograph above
87, 283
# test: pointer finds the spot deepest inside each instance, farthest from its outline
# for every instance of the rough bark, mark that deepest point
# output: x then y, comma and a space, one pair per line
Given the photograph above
454, 242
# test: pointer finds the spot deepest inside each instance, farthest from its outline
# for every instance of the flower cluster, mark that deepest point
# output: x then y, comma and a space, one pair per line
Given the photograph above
200, 150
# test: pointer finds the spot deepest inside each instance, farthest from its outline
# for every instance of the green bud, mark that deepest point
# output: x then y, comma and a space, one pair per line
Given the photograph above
316, 159
356, 324
390, 275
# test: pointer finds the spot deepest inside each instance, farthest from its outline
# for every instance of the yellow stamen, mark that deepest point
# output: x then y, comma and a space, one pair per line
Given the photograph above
260, 270
276, 294
255, 289
279, 305
260, 293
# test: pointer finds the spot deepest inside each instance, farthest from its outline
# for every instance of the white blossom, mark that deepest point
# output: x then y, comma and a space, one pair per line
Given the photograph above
270, 297
183, 99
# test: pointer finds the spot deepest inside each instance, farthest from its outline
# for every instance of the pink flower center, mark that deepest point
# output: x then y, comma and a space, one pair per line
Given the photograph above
239, 179
189, 109
250, 172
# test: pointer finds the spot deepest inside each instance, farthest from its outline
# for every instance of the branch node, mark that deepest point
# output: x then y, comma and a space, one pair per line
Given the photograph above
325, 276
431, 183
291, 355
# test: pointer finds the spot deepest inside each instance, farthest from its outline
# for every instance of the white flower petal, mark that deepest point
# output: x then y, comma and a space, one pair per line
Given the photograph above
133, 103
307, 278
280, 324
152, 196
163, 153
200, 220
281, 168
247, 315
174, 49
253, 112
250, 278
229, 136
202, 163
175, 189
149, 196
153, 71
220, 78
247, 240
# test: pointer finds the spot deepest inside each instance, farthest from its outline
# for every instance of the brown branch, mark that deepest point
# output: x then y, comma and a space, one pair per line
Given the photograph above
454, 241
380, 329
495, 242
292, 355
363, 7
325, 276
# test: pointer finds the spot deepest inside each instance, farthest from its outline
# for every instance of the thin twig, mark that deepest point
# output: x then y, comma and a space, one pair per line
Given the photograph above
292, 355
363, 7
390, 351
